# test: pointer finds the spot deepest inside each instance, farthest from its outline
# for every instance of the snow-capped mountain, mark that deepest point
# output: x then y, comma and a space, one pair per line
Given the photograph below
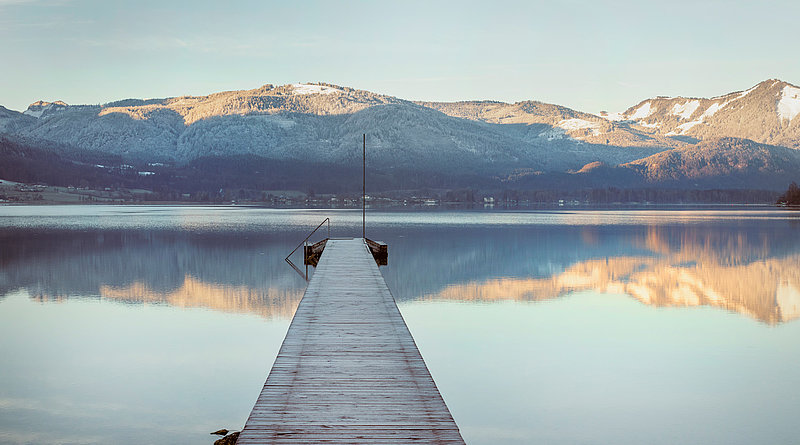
537, 121
39, 108
765, 113
323, 123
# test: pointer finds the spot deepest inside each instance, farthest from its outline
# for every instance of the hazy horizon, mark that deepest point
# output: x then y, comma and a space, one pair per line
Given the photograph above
589, 56
23, 108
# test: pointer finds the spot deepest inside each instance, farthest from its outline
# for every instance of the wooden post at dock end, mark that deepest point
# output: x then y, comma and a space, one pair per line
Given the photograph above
312, 252
379, 251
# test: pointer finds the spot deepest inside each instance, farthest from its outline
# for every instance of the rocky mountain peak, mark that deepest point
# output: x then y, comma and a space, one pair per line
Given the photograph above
40, 107
42, 103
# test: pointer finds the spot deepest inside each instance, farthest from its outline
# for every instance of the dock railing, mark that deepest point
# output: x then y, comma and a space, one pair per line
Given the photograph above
304, 243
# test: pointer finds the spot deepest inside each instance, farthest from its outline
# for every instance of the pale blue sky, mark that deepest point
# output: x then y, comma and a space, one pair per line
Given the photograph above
588, 55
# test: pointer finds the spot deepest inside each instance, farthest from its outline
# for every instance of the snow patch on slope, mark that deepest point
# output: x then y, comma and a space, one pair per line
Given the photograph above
642, 112
35, 113
579, 124
712, 110
686, 110
613, 117
683, 128
302, 88
688, 125
38, 110
789, 103
745, 93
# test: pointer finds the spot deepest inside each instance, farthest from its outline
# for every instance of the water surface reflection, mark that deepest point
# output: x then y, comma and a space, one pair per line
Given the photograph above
757, 276
748, 266
221, 271
108, 346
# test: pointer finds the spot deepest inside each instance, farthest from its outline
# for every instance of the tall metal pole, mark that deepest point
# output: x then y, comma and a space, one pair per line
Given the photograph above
364, 194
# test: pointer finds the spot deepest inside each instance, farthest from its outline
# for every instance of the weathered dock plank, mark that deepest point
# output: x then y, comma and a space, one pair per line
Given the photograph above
348, 370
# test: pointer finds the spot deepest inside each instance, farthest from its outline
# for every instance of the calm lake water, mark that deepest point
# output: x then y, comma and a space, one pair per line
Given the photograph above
134, 325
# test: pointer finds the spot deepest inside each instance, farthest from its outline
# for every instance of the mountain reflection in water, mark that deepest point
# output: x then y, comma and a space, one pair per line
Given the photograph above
270, 302
226, 272
767, 290
751, 267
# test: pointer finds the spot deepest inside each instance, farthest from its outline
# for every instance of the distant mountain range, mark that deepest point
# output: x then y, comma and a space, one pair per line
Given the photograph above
747, 139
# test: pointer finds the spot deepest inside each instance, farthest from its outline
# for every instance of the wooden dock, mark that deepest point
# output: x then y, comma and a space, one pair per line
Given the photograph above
348, 370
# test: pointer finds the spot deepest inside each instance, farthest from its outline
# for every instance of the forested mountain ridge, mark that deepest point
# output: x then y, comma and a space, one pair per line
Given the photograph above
676, 141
